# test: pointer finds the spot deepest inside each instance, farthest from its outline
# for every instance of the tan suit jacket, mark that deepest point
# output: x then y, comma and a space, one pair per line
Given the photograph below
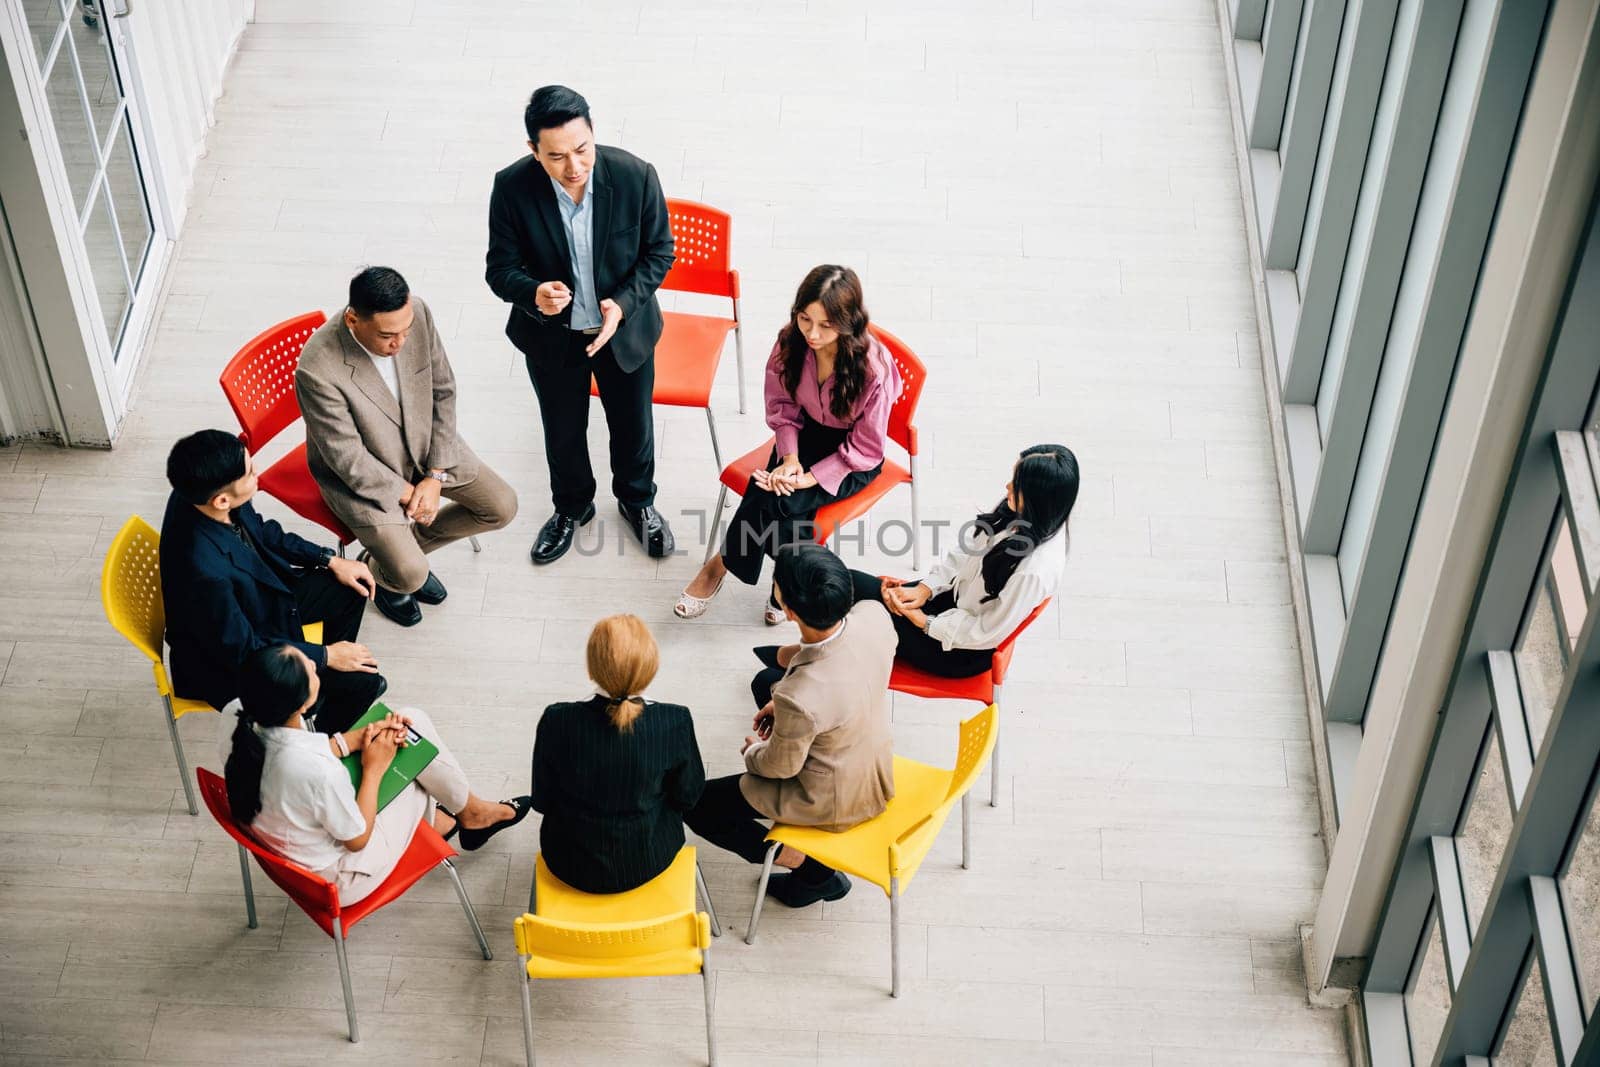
364, 447
830, 759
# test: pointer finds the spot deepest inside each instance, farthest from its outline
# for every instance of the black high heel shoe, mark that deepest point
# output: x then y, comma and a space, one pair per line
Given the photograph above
768, 655
472, 840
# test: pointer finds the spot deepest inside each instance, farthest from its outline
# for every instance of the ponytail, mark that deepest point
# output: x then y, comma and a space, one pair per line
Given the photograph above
622, 712
274, 686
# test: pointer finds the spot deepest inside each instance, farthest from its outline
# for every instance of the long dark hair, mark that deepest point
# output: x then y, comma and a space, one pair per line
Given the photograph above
1045, 480
838, 290
273, 685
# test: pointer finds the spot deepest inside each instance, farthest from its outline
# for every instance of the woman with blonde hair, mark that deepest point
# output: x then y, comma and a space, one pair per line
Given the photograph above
614, 774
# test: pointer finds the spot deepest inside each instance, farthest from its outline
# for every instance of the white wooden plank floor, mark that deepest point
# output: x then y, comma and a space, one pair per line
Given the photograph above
1041, 197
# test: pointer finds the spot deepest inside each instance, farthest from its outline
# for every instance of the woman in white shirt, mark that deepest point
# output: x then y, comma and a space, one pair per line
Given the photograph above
950, 623
287, 785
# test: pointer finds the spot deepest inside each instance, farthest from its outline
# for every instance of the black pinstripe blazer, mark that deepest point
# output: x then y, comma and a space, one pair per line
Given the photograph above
613, 802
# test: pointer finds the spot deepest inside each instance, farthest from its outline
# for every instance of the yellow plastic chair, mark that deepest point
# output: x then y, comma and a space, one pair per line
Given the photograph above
130, 592
649, 932
888, 849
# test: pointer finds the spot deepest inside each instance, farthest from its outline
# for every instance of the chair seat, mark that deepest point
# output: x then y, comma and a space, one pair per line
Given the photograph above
290, 481
668, 893
686, 359
863, 850
736, 476
656, 965
905, 678
426, 851
182, 706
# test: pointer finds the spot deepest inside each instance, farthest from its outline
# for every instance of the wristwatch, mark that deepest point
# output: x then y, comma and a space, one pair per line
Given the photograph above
327, 557
442, 477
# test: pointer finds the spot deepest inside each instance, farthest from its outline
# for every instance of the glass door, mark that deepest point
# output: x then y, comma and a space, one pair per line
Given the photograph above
86, 94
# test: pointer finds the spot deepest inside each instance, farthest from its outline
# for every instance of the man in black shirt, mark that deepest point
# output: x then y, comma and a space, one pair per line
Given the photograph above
233, 582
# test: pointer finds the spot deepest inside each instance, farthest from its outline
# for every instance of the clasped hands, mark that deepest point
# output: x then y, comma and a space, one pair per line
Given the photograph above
421, 501
379, 741
906, 601
786, 477
552, 298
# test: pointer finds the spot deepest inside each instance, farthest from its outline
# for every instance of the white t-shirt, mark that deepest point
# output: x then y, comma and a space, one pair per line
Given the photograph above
308, 806
385, 367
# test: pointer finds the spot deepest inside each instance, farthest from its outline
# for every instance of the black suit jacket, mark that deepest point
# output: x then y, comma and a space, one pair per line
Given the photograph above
613, 802
632, 242
223, 601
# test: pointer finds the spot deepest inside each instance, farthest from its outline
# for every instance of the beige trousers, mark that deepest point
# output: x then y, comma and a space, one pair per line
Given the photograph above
442, 781
399, 547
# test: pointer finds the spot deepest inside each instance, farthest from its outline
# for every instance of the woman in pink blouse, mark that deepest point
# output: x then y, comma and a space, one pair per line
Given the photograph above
830, 385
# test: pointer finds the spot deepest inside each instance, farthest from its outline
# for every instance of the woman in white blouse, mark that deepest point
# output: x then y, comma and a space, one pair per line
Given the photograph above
950, 623
287, 785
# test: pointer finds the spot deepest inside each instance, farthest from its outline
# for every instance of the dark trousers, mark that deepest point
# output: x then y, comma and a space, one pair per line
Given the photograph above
560, 373
764, 522
725, 818
916, 648
344, 696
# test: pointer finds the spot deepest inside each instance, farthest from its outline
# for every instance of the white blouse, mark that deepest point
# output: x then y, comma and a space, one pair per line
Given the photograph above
978, 624
308, 806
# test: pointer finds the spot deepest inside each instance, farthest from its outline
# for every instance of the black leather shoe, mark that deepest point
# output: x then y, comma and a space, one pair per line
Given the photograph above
788, 890
401, 608
432, 591
556, 535
651, 528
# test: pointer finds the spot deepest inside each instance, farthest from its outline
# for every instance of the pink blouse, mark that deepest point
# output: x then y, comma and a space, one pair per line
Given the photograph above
868, 423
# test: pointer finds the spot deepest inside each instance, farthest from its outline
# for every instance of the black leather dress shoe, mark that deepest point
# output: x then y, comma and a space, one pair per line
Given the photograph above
399, 608
651, 528
556, 535
432, 591
788, 890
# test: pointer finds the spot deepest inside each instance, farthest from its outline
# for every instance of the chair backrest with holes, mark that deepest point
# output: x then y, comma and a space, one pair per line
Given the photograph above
1002, 653
972, 753
913, 376
130, 587
259, 380
700, 236
315, 895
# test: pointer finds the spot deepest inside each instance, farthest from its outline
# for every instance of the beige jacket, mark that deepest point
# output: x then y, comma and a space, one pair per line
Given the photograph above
362, 445
830, 759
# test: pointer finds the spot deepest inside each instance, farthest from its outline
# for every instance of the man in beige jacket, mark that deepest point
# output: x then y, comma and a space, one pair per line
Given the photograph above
822, 754
379, 400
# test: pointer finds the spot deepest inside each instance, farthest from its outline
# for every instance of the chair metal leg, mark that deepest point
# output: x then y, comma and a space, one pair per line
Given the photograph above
994, 757
716, 524
966, 830
705, 898
711, 1030
738, 350
466, 906
344, 978
894, 937
716, 449
249, 891
916, 521
475, 546
341, 550
177, 752
761, 893
527, 1013
533, 896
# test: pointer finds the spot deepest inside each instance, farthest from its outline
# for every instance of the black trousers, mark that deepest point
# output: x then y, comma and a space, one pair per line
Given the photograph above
725, 818
345, 696
916, 648
764, 522
560, 374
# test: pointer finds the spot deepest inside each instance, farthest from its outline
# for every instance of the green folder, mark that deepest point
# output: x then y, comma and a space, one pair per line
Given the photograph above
408, 762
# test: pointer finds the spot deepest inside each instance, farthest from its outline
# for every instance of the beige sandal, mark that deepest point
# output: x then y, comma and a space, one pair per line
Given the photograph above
692, 607
773, 616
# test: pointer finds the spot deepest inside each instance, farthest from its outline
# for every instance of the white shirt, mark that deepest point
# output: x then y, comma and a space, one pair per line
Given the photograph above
385, 367
308, 806
978, 624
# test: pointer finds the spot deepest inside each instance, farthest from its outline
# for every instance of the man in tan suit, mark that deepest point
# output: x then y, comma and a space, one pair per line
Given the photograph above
822, 754
379, 400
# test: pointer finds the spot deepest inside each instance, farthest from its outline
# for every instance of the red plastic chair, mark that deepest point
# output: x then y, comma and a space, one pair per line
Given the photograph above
691, 346
259, 384
902, 431
983, 688
319, 898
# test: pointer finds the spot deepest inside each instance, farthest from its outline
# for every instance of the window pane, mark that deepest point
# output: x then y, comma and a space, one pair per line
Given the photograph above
44, 18
127, 196
72, 127
1528, 1041
1540, 660
99, 78
1428, 1001
1484, 832
105, 261
1580, 901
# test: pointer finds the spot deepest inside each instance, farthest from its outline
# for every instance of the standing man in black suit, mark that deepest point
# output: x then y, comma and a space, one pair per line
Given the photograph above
579, 241
233, 583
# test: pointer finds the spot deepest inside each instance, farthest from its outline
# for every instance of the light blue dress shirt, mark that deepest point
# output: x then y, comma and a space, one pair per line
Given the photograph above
578, 222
